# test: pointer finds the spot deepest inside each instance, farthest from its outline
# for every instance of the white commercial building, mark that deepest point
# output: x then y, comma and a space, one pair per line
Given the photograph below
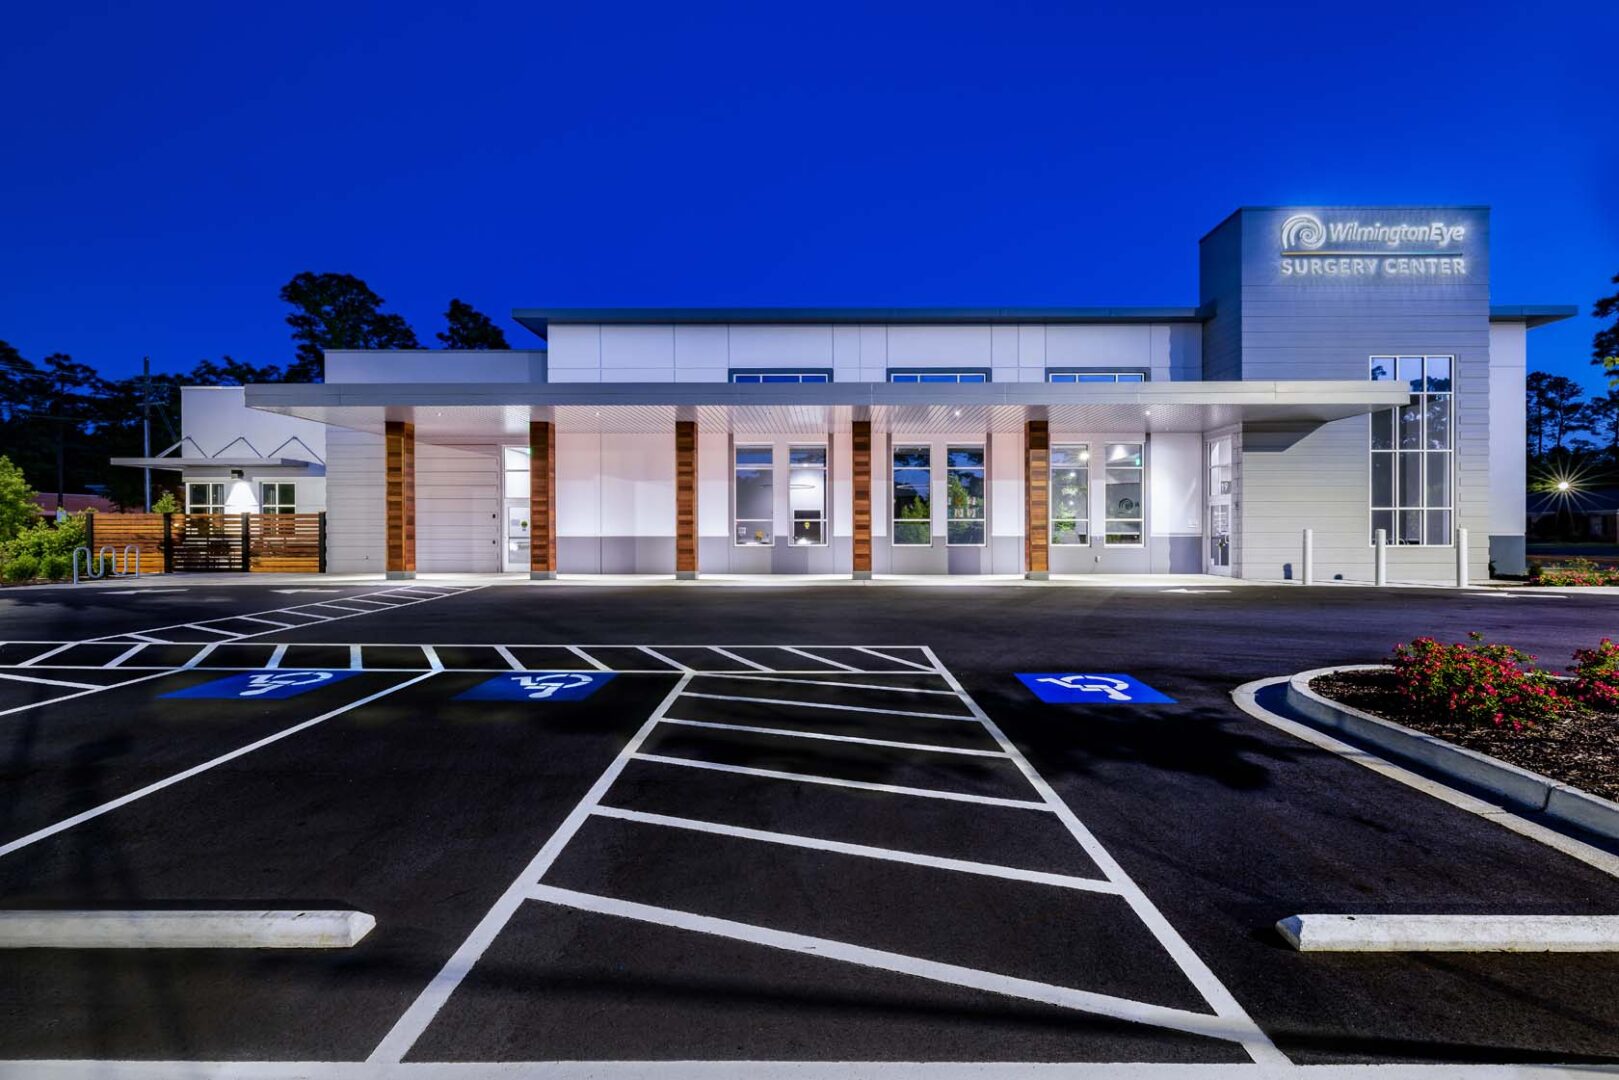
1344, 372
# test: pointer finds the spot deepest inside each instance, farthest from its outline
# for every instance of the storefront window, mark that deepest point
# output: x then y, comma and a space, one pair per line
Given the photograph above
205, 498
806, 493
278, 498
754, 498
1412, 453
913, 504
1070, 494
964, 479
1122, 526
515, 462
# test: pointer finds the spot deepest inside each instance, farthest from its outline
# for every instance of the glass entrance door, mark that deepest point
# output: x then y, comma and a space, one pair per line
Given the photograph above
515, 543
1218, 557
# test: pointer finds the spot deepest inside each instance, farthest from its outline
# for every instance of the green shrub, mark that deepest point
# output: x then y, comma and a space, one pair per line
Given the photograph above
21, 568
166, 503
55, 567
46, 538
1477, 683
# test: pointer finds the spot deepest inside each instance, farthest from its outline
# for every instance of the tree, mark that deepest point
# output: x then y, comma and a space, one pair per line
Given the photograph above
338, 311
231, 372
1605, 345
1555, 410
17, 507
468, 328
1602, 416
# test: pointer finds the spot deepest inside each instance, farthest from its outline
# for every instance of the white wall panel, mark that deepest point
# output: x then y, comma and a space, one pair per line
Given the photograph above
579, 484
1006, 484
939, 346
873, 353
1104, 346
432, 365
781, 346
846, 353
713, 484
638, 485
1175, 494
1508, 366
642, 347
214, 417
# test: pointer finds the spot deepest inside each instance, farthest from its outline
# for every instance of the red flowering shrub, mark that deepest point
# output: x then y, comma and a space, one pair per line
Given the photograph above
1575, 572
1596, 675
1479, 683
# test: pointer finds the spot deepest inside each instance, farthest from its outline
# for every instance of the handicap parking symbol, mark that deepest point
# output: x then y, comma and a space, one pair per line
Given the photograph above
1084, 689
538, 686
266, 685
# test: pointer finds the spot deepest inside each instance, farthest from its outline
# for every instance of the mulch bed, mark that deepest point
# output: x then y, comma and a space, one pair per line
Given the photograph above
1581, 749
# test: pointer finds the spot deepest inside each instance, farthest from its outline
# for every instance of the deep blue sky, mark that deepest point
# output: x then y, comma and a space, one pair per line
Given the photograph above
165, 168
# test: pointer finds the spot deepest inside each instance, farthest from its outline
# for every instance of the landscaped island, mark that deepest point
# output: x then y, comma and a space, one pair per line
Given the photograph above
1491, 699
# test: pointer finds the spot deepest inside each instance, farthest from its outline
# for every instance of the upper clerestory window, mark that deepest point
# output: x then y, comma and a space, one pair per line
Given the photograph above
770, 375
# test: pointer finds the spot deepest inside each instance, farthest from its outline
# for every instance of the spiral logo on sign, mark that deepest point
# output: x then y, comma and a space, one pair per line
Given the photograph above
1303, 232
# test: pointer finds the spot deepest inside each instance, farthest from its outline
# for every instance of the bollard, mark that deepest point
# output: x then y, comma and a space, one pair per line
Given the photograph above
1309, 556
1380, 558
1461, 559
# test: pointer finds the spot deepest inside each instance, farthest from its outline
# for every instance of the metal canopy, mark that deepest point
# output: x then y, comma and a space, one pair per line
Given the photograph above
503, 410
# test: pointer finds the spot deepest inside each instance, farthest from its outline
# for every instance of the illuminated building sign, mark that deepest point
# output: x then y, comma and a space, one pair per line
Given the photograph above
1312, 248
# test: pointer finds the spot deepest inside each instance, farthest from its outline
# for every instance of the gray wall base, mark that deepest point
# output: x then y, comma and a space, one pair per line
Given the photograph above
685, 575
1507, 553
1037, 575
399, 575
542, 575
862, 575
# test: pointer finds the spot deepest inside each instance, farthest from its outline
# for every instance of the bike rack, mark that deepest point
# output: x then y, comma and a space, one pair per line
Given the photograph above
106, 562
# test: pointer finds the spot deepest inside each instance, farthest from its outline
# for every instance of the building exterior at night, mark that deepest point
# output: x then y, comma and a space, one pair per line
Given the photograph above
1343, 370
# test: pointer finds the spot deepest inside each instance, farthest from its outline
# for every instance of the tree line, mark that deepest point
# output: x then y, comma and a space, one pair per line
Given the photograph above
60, 419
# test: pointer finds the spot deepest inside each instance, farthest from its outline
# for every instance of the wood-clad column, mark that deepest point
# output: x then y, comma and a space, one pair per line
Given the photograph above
862, 499
1037, 500
542, 500
399, 487
685, 499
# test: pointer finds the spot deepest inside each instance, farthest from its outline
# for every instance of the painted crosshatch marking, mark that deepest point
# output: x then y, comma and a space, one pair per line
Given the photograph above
1073, 688
268, 685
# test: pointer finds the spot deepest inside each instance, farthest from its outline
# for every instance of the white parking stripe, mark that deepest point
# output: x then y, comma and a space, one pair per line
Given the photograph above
50, 682
1216, 1027
126, 654
202, 654
506, 655
124, 800
409, 1027
825, 682
269, 622
817, 658
895, 659
793, 734
354, 658
586, 657
275, 657
432, 658
662, 659
835, 781
815, 843
828, 705
213, 630
1256, 1042
31, 661
729, 655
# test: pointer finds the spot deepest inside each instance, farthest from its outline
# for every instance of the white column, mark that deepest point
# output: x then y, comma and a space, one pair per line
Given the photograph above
1380, 558
1461, 559
1309, 556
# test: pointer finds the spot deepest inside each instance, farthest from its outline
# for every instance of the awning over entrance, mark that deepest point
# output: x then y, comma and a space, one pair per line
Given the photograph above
1284, 410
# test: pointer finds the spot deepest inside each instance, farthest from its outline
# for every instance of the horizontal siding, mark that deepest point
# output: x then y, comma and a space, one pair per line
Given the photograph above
355, 512
457, 509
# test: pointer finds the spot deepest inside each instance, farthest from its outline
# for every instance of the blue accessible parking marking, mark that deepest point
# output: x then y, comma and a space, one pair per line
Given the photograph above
538, 686
268, 685
1068, 688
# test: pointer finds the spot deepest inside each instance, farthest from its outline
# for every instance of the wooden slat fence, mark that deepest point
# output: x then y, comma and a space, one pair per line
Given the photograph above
261, 543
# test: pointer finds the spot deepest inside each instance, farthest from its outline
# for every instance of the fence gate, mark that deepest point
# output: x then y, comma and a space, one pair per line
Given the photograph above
260, 543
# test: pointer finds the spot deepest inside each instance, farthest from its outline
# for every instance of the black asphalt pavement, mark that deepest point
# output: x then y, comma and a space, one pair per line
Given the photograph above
423, 808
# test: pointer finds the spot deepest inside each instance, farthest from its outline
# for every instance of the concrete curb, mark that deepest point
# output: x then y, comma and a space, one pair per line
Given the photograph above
183, 929
1517, 787
1451, 933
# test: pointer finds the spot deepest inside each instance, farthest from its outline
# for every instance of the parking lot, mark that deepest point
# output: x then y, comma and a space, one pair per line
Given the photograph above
736, 825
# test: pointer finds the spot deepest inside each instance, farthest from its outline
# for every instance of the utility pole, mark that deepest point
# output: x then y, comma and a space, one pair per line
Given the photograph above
146, 427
